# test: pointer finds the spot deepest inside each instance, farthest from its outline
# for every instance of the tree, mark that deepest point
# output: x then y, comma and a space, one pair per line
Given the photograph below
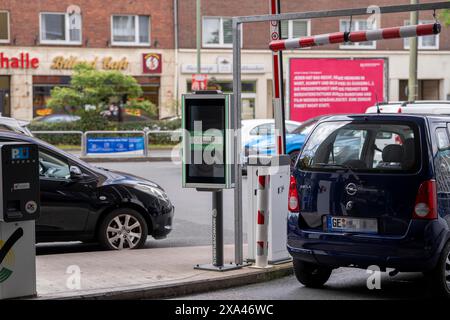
446, 17
91, 92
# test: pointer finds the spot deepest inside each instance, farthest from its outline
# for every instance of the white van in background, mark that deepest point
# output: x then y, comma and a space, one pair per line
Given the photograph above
441, 107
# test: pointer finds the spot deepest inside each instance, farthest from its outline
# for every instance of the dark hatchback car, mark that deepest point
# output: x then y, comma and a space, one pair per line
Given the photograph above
381, 198
80, 202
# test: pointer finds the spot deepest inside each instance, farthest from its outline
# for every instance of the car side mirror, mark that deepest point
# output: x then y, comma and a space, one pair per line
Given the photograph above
75, 173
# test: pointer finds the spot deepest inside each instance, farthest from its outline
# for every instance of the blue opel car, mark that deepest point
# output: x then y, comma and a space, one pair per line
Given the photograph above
381, 198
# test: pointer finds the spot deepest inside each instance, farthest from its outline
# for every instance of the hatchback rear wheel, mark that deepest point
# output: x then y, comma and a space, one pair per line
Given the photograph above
439, 278
311, 275
123, 229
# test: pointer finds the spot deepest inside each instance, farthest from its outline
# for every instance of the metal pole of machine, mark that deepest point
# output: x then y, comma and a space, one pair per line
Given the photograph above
217, 227
238, 237
412, 80
278, 87
199, 35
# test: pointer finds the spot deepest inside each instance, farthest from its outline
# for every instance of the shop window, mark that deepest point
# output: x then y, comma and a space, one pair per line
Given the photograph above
4, 26
60, 28
130, 30
424, 42
5, 106
42, 87
427, 90
217, 32
295, 28
151, 93
357, 25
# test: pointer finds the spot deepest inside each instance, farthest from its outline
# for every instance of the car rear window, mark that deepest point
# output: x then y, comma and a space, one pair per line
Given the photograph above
362, 146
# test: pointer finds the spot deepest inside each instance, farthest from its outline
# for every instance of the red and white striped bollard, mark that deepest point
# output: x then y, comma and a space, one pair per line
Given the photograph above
262, 236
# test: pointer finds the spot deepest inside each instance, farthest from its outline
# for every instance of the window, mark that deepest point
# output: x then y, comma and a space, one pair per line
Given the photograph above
217, 32
427, 90
4, 26
266, 129
357, 25
295, 28
442, 161
374, 147
60, 28
52, 167
424, 42
131, 30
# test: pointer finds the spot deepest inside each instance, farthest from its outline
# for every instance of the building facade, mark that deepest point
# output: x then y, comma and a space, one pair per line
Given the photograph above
155, 41
433, 61
41, 41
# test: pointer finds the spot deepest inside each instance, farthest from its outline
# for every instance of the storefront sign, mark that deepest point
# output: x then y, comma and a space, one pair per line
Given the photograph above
324, 86
199, 82
151, 63
106, 63
22, 61
223, 66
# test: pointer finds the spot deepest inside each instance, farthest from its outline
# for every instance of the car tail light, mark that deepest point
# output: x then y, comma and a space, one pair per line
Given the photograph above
293, 204
426, 201
399, 110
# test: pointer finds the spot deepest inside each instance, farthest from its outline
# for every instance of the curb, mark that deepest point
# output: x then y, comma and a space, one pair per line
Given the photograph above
181, 289
128, 159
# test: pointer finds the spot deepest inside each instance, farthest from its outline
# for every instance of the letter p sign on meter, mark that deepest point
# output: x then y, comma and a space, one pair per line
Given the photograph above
207, 140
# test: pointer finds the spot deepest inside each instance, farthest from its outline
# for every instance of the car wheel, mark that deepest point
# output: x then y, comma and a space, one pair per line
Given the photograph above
123, 229
439, 278
311, 275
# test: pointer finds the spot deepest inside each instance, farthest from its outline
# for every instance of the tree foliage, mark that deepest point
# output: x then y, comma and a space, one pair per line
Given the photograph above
92, 91
445, 16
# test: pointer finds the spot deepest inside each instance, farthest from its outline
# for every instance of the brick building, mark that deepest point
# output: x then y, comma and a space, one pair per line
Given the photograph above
434, 51
41, 41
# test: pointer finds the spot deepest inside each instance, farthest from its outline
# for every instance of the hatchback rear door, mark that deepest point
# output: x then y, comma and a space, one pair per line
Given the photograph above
360, 176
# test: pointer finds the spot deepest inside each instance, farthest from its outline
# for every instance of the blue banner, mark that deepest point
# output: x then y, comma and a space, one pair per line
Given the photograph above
115, 145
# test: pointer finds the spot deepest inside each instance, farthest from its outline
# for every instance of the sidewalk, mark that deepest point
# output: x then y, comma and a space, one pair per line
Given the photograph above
142, 274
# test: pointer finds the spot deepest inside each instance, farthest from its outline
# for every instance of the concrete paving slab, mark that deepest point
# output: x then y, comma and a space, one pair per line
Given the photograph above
154, 273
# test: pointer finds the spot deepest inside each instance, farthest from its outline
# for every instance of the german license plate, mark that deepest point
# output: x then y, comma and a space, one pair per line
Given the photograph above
348, 224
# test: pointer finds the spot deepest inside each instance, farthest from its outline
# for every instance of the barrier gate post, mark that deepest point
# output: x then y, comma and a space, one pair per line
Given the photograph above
262, 196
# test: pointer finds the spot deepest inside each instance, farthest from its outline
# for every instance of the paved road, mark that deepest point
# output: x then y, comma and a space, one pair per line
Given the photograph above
192, 223
344, 283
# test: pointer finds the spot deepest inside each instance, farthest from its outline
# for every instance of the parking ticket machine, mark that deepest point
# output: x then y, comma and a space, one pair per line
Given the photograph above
19, 208
208, 140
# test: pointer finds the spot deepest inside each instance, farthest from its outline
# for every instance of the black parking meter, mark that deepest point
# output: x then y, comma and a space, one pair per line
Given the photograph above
19, 208
208, 156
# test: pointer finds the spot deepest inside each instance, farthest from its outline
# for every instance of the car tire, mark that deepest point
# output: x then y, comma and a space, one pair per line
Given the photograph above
439, 278
123, 229
311, 275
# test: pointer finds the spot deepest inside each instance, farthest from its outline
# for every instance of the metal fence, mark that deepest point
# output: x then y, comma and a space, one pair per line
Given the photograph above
175, 135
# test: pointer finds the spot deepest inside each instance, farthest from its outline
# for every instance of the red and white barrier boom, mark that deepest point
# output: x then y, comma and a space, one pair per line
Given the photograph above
357, 36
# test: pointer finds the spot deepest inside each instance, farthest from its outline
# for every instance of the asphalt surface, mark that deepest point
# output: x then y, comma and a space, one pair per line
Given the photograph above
344, 284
